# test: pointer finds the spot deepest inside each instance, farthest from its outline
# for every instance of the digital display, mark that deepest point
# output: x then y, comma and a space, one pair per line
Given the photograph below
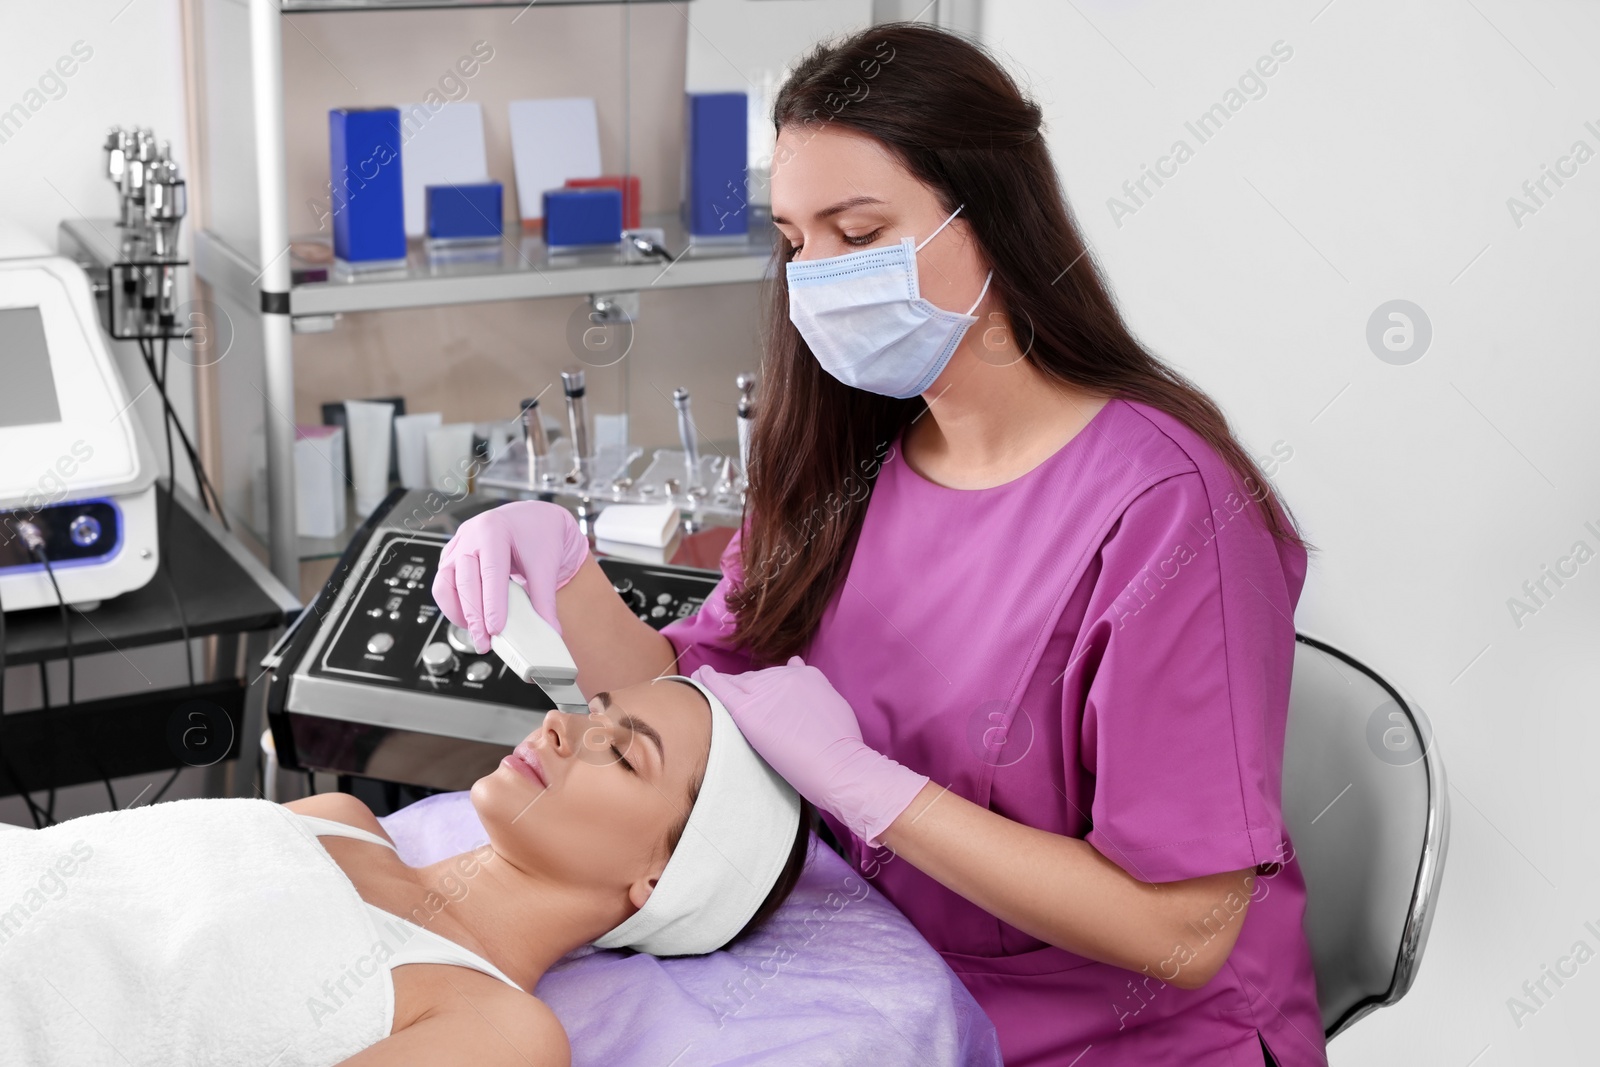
28, 392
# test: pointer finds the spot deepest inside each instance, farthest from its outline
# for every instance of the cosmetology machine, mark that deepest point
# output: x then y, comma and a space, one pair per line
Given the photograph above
374, 681
77, 476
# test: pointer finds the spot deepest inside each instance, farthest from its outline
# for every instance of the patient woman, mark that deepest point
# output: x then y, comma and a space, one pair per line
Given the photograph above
246, 932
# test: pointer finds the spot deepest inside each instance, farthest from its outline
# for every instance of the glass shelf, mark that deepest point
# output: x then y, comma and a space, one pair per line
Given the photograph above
695, 517
520, 267
293, 7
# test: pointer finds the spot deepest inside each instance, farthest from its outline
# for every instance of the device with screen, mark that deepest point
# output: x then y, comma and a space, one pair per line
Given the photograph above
77, 475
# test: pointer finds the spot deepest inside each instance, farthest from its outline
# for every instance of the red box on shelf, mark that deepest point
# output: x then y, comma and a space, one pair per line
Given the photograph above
629, 188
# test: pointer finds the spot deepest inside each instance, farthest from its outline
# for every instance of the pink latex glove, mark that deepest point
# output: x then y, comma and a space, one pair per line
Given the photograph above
534, 541
800, 724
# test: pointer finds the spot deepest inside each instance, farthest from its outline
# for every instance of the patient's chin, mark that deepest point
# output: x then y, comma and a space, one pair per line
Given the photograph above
483, 794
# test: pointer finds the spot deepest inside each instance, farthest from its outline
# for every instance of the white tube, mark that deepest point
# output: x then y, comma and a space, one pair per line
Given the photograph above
411, 439
450, 457
369, 425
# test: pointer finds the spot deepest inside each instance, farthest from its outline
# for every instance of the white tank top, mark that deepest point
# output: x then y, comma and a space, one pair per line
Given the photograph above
196, 931
420, 945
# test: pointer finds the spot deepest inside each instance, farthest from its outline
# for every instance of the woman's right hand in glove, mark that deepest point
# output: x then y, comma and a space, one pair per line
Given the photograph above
535, 542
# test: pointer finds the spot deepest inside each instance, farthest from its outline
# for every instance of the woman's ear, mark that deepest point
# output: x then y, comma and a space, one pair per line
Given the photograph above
639, 892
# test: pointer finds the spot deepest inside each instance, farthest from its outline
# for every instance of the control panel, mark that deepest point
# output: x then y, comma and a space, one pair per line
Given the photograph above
658, 595
391, 634
374, 681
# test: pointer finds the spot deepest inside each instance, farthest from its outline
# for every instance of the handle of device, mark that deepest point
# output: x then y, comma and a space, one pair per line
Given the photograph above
530, 646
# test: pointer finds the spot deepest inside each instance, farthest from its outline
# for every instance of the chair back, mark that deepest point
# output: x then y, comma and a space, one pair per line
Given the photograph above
1365, 802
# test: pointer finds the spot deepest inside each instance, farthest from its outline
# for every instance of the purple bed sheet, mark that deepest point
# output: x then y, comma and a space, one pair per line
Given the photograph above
838, 976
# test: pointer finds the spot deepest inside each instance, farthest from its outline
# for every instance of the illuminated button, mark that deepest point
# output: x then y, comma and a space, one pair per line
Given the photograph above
376, 613
657, 611
380, 642
438, 658
664, 598
479, 671
85, 530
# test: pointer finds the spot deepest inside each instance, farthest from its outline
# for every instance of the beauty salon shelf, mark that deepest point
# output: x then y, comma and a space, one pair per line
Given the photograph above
297, 7
520, 268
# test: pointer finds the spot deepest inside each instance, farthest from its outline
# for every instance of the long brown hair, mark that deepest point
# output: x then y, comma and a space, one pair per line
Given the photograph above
959, 124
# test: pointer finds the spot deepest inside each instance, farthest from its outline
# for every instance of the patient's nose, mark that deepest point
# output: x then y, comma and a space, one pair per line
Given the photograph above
558, 731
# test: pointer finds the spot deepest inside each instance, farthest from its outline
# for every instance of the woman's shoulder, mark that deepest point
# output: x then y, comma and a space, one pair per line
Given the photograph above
505, 1025
1158, 449
1156, 442
340, 807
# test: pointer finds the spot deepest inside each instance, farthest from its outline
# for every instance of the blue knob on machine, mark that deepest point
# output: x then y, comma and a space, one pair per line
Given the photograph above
85, 530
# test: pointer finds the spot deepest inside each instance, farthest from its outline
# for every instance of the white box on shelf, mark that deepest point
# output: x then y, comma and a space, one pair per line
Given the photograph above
552, 140
411, 439
652, 525
319, 480
439, 147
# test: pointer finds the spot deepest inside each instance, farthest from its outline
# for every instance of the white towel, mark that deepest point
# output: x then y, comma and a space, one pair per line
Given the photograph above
190, 932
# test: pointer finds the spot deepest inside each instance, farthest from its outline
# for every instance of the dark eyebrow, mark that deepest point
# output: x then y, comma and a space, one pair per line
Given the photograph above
633, 725
829, 212
639, 726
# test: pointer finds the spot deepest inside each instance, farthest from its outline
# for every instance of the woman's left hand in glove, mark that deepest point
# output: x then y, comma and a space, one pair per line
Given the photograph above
800, 724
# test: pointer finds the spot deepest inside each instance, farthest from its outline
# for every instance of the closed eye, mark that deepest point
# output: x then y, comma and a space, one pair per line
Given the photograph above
617, 752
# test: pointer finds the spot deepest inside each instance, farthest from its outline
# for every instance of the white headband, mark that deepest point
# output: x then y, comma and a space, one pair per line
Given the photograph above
738, 838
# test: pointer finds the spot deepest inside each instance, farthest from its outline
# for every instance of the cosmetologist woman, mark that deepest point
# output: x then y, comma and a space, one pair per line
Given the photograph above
1042, 600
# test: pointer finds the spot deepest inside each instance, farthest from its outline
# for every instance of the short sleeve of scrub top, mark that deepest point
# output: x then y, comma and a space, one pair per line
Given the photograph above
1173, 695
707, 635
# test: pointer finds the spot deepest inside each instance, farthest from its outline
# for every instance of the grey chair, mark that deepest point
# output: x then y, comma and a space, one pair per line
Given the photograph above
1365, 801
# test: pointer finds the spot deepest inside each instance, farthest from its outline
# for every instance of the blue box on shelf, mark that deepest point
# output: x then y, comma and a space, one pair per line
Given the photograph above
716, 150
465, 212
369, 213
582, 217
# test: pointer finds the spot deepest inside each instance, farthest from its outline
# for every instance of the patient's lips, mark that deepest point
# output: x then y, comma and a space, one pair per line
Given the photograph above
524, 760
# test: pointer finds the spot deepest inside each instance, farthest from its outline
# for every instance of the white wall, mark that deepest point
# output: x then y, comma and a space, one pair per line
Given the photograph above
1377, 166
51, 161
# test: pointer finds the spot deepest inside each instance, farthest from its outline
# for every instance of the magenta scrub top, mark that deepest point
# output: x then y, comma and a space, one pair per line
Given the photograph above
1102, 649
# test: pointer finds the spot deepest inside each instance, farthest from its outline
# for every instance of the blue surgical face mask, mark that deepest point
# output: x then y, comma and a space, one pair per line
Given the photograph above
863, 315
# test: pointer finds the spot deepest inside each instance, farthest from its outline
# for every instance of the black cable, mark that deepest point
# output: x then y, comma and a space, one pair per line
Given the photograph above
163, 535
41, 818
44, 683
202, 482
66, 622
36, 545
16, 782
167, 785
208, 495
